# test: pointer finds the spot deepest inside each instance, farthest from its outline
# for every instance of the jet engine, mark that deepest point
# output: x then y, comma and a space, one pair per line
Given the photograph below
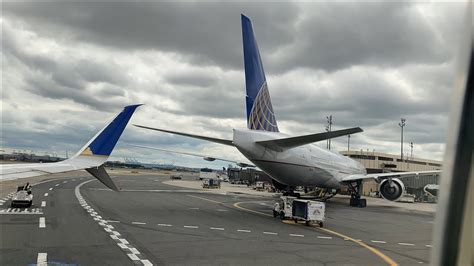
392, 189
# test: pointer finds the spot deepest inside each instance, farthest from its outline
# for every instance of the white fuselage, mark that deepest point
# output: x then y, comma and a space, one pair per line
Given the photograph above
307, 165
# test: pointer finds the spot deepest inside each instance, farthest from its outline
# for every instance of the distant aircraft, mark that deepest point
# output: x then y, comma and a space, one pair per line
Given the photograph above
91, 157
293, 160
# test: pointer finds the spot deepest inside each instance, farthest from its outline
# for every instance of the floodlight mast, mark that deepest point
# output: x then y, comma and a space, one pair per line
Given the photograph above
402, 125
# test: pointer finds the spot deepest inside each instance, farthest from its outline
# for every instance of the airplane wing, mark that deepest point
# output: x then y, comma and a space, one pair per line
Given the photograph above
90, 157
291, 142
381, 176
217, 140
207, 158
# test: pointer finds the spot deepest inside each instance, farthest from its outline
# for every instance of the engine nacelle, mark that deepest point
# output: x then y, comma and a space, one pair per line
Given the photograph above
392, 189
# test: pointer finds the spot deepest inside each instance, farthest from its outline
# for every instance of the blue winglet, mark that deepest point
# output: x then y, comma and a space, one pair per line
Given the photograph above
260, 114
105, 142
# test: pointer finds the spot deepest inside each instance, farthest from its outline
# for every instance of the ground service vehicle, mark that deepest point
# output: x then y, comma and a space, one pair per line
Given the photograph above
22, 197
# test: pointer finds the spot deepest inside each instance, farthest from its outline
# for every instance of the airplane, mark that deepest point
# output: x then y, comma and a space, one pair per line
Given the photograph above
293, 161
90, 157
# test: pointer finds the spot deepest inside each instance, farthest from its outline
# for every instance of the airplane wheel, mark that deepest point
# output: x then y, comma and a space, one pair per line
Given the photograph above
362, 203
275, 214
321, 224
282, 215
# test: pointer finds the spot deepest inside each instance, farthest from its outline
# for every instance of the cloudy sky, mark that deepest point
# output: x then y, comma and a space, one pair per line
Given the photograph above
67, 68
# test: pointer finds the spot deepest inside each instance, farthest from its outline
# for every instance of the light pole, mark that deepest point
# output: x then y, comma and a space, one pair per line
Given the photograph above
348, 142
411, 147
402, 125
328, 128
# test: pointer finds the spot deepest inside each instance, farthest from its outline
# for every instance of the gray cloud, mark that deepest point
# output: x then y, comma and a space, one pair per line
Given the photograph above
367, 64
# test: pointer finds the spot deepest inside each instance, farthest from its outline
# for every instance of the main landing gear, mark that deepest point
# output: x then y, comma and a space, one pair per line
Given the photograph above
290, 191
355, 188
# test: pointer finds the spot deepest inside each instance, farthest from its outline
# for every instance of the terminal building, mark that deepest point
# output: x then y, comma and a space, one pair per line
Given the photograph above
377, 162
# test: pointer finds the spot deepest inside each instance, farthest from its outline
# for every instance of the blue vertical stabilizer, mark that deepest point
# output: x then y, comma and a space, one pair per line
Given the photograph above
260, 114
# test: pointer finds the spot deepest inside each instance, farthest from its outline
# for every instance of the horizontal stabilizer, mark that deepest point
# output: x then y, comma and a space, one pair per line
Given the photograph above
291, 142
217, 140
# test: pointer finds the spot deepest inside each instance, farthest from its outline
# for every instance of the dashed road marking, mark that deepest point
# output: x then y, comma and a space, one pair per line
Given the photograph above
428, 246
406, 244
112, 221
138, 223
42, 222
15, 211
64, 182
270, 233
146, 262
222, 210
166, 225
45, 194
194, 208
50, 188
56, 185
243, 231
42, 259
217, 228
43, 203
378, 241
324, 237
126, 247
296, 235
191, 226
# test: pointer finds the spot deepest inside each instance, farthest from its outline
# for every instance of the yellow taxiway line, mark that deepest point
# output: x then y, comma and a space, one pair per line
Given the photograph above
375, 251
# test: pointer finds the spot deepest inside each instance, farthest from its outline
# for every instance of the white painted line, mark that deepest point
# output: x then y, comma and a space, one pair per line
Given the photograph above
428, 246
43, 203
191, 226
112, 221
216, 228
51, 188
406, 244
296, 235
194, 208
420, 262
222, 210
270, 233
121, 242
45, 194
42, 222
124, 241
325, 237
64, 182
134, 251
243, 231
378, 241
146, 263
42, 259
133, 256
165, 225
123, 246
56, 185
